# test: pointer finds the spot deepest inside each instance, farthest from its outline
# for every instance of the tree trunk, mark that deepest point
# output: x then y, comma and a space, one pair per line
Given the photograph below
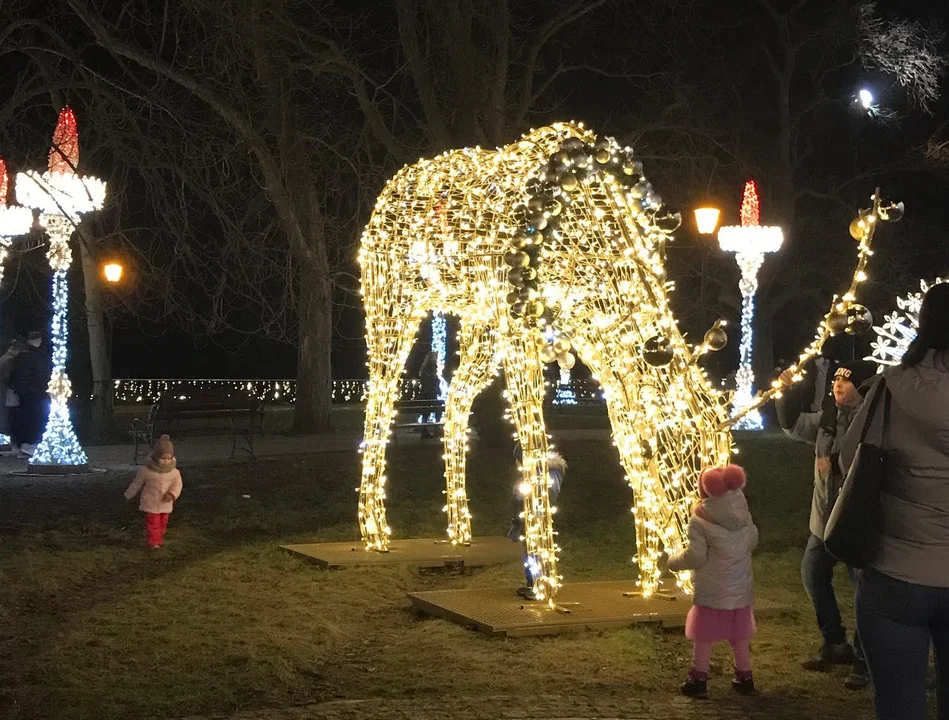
102, 391
314, 403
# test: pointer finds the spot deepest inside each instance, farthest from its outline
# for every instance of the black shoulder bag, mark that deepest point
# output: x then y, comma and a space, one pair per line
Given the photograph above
852, 534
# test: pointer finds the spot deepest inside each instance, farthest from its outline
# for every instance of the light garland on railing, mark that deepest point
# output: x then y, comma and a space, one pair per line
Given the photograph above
14, 221
559, 230
845, 315
750, 242
62, 197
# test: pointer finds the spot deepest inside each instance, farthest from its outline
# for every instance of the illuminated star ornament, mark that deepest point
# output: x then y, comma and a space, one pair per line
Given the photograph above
900, 327
750, 242
553, 243
14, 220
62, 198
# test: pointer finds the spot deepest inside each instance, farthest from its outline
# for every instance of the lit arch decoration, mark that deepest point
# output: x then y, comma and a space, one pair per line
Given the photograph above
900, 327
557, 230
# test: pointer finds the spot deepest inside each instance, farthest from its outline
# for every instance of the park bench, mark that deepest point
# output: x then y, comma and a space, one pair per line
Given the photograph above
409, 412
204, 413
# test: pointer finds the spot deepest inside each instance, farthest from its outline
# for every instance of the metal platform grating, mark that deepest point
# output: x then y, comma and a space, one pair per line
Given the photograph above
416, 552
591, 606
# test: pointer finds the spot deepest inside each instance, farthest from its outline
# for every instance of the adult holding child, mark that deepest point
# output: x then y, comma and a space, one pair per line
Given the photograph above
902, 597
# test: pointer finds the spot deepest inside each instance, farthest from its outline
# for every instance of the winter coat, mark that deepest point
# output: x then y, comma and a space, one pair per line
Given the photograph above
31, 371
153, 485
826, 439
915, 541
722, 537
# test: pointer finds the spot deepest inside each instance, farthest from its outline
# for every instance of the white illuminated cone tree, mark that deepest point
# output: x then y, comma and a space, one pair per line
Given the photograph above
14, 221
750, 242
62, 197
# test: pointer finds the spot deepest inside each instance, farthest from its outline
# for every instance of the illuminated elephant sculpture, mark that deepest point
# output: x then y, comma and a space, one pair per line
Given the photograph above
557, 232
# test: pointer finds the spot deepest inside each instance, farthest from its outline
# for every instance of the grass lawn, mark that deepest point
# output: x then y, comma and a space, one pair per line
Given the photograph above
94, 626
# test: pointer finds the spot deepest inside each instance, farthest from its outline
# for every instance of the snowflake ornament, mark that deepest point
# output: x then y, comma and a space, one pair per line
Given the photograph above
900, 327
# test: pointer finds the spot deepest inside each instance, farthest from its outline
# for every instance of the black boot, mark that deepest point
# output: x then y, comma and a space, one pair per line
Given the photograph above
830, 655
744, 683
859, 678
696, 686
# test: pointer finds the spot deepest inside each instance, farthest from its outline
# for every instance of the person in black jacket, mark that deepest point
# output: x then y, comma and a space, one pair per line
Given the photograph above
825, 430
30, 381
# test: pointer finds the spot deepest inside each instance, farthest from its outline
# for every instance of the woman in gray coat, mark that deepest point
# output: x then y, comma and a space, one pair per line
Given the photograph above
903, 597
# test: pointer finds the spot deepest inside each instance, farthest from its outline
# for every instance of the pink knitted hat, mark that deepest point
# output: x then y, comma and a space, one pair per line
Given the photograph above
715, 481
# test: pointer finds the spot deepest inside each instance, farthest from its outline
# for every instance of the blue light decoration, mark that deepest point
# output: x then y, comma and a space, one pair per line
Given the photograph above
750, 242
62, 198
439, 347
565, 394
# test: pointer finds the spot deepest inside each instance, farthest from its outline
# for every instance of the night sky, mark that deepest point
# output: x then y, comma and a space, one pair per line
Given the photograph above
843, 144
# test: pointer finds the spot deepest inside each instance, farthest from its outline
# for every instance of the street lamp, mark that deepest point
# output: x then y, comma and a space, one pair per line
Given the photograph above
62, 197
112, 272
750, 242
706, 220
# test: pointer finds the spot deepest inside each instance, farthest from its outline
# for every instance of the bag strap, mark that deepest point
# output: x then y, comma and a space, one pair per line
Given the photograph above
878, 391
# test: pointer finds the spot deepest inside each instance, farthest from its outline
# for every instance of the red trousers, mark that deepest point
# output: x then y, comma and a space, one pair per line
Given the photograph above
155, 526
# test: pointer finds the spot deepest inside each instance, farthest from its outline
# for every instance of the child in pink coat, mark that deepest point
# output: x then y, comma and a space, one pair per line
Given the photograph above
159, 483
722, 537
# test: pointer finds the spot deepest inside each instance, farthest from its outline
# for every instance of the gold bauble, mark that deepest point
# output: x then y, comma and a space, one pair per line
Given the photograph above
547, 354
569, 182
561, 345
566, 361
716, 338
859, 228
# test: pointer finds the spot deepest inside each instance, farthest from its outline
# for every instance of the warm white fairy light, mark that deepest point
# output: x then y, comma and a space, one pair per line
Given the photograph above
568, 219
62, 197
14, 220
750, 242
900, 327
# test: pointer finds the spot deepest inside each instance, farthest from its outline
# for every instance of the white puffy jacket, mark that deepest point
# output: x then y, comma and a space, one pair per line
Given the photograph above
722, 537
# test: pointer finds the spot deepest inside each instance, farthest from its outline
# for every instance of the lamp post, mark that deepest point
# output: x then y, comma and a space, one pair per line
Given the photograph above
14, 220
706, 222
62, 198
750, 242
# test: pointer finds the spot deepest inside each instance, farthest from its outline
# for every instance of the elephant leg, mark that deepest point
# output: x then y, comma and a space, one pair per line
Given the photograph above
475, 372
523, 371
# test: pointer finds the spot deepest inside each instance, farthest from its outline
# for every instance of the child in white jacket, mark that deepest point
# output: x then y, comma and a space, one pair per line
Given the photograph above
722, 537
159, 483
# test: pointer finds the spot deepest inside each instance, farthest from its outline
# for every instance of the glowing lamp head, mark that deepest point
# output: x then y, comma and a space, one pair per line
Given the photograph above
865, 98
706, 220
112, 272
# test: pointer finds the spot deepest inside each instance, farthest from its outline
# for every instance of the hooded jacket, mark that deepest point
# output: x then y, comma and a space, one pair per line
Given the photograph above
915, 533
722, 537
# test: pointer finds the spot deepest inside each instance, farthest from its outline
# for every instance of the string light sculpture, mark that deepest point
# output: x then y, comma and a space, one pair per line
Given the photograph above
900, 327
558, 230
845, 314
62, 198
750, 242
14, 220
